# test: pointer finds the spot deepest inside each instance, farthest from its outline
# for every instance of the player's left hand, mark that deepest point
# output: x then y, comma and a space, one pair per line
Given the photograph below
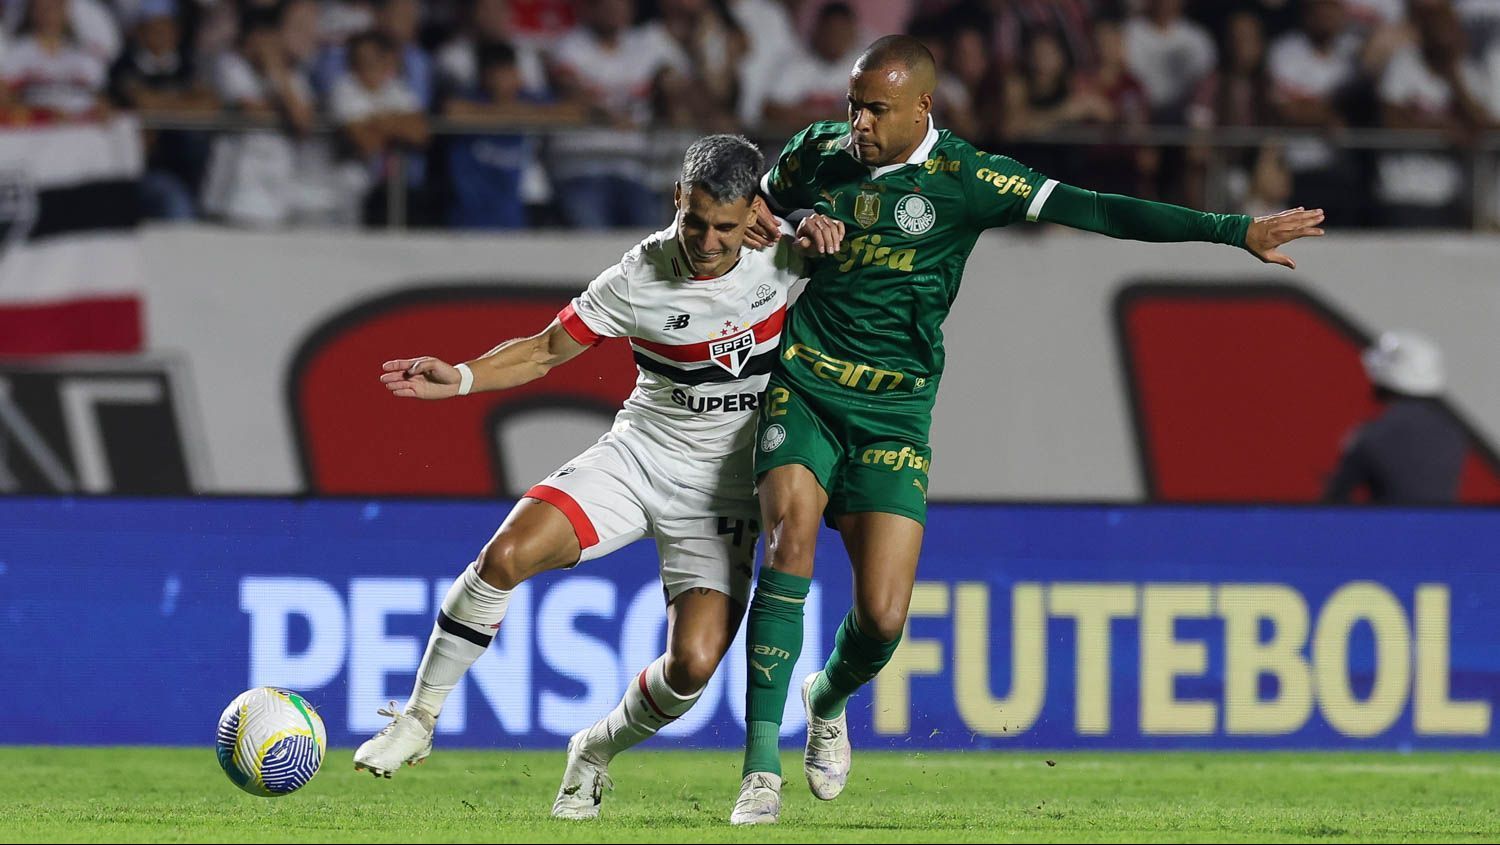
766, 229
1267, 234
819, 234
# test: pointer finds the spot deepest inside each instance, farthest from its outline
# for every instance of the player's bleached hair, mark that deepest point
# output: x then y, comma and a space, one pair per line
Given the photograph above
728, 167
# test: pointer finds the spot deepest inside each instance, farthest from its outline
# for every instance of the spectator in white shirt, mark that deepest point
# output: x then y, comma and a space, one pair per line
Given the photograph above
1314, 73
602, 176
1312, 67
48, 69
261, 79
373, 106
92, 22
1170, 56
1431, 86
399, 21
815, 85
380, 118
264, 177
772, 40
489, 23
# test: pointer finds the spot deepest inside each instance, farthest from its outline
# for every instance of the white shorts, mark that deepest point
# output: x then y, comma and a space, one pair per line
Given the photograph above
618, 491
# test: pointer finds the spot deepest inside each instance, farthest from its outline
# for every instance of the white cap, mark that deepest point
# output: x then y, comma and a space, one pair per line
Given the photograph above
1406, 363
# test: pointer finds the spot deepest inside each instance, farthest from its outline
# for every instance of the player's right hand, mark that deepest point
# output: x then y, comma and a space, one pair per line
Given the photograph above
766, 229
1267, 234
420, 378
819, 234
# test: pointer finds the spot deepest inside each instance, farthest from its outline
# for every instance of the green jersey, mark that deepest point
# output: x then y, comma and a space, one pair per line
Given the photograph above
870, 320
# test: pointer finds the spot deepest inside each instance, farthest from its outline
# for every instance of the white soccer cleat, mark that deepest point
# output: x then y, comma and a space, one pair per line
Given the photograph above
760, 800
828, 756
407, 739
583, 784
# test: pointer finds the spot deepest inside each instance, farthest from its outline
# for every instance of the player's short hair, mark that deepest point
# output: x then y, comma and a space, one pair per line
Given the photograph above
728, 167
902, 51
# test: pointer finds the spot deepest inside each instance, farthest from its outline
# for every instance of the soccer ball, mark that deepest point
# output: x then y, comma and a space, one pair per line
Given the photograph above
270, 741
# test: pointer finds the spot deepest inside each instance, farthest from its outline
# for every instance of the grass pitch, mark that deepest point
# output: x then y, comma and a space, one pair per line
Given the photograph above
180, 795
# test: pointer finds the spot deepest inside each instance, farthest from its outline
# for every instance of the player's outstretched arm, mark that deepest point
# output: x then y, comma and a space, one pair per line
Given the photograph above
511, 364
1143, 220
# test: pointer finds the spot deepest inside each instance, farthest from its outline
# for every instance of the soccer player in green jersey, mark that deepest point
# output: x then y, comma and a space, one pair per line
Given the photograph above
843, 429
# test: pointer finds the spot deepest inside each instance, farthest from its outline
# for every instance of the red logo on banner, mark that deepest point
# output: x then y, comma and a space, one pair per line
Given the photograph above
1244, 393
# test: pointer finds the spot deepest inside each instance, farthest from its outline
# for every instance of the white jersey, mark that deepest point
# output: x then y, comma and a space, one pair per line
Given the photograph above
704, 347
68, 81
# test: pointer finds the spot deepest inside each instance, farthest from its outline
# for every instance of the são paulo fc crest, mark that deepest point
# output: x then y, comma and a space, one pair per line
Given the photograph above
732, 349
774, 436
867, 208
915, 214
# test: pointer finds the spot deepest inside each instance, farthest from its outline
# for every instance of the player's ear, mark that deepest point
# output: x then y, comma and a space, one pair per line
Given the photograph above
677, 195
924, 106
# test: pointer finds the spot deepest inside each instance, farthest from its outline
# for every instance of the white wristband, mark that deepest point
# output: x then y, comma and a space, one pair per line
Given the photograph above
465, 379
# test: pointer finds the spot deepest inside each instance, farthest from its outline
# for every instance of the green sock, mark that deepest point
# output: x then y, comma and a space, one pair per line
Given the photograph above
857, 657
773, 642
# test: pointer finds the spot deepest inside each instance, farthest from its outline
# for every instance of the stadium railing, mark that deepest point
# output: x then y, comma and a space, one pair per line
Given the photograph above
1480, 155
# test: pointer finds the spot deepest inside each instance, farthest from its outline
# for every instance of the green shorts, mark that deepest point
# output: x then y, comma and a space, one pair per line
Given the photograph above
869, 453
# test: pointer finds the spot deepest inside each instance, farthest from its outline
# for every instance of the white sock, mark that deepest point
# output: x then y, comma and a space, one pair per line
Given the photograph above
465, 626
649, 704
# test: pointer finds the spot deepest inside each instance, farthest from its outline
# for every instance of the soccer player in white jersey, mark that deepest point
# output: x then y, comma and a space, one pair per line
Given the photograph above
703, 314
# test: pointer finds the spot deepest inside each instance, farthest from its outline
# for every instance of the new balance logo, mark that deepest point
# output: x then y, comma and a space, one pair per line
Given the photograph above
677, 321
755, 664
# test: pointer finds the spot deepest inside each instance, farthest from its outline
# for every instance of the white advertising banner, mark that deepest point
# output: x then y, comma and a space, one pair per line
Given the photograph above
1079, 368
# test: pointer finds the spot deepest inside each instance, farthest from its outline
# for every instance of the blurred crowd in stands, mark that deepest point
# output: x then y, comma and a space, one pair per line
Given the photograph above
514, 113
